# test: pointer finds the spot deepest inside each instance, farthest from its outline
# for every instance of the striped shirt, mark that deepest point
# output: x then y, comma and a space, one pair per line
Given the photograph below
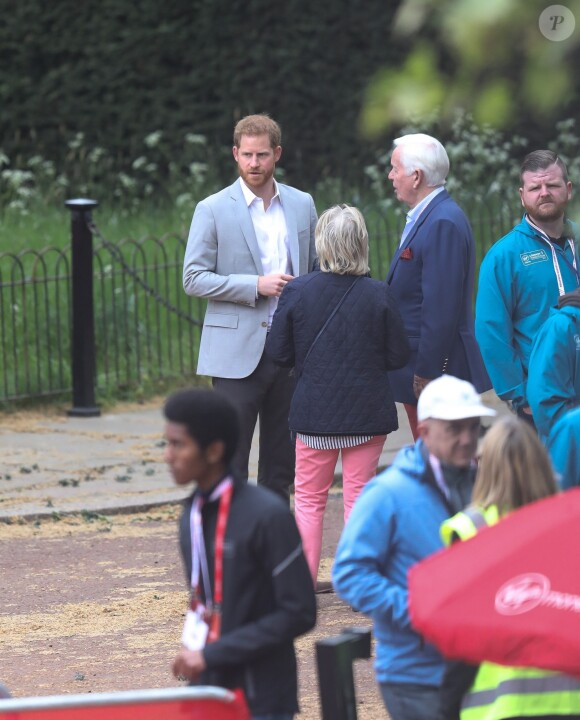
333, 442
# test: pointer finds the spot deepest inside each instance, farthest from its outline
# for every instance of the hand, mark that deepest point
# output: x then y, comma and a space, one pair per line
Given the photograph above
272, 285
189, 664
419, 384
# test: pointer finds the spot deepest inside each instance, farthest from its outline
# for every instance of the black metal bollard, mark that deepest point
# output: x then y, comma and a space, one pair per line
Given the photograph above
83, 323
334, 658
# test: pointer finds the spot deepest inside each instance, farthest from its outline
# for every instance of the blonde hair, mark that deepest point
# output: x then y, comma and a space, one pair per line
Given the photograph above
342, 241
253, 125
514, 469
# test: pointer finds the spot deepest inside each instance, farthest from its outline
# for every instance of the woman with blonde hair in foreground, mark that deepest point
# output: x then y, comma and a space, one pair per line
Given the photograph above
514, 470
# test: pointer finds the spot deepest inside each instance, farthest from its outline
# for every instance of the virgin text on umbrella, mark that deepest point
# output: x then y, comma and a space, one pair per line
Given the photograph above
530, 590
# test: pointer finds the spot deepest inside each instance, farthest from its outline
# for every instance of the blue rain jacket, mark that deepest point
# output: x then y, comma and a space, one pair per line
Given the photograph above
564, 448
554, 369
517, 288
393, 525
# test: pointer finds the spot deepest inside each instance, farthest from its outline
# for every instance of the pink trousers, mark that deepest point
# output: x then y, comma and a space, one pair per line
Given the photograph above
314, 476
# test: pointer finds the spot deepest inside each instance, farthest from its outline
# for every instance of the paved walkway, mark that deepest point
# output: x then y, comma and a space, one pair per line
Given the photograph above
102, 465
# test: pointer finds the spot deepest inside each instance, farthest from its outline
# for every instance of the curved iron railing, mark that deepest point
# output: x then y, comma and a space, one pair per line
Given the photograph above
139, 337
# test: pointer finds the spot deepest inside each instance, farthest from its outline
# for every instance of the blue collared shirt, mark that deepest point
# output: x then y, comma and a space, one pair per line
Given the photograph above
413, 214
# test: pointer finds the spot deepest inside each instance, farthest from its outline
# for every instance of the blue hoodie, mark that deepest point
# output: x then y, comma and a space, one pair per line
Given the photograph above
517, 287
564, 448
554, 370
393, 525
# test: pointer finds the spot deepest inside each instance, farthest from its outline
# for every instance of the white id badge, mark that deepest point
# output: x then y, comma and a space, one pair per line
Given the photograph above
195, 629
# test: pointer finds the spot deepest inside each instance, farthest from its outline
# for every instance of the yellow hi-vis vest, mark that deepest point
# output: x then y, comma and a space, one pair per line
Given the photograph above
465, 524
500, 692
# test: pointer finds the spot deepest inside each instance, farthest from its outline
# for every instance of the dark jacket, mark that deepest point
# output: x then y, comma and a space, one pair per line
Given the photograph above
268, 598
342, 388
431, 277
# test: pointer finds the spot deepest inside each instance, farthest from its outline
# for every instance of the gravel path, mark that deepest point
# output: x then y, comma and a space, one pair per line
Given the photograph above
95, 603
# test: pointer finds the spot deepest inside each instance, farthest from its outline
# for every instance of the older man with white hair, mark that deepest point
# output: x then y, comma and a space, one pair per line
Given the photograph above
394, 524
432, 275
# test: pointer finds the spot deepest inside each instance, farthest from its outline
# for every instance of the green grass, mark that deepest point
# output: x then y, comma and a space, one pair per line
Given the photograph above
50, 225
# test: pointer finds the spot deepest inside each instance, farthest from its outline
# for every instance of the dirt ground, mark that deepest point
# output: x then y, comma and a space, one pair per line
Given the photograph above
96, 604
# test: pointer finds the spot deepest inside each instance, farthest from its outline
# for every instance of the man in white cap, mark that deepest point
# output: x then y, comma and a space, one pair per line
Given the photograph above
395, 524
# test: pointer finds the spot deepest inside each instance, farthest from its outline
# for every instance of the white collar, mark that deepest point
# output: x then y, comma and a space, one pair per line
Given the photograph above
249, 196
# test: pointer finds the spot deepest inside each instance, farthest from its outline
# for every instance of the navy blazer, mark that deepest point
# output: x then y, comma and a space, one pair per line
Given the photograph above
431, 277
342, 387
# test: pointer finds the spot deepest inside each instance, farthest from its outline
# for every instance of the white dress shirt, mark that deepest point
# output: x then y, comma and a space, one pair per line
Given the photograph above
272, 235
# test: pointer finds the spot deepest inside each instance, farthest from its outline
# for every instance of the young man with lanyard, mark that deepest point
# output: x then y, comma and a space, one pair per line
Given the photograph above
251, 590
523, 275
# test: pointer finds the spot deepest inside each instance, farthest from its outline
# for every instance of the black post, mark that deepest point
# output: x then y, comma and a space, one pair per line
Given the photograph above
334, 657
83, 323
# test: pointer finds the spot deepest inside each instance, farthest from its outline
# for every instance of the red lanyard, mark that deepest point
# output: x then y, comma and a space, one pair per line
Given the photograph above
224, 492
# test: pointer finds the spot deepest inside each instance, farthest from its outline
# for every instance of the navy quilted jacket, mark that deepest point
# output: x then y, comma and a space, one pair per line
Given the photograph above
343, 389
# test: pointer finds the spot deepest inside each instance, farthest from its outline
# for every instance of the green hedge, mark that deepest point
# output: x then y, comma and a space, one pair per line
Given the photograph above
117, 70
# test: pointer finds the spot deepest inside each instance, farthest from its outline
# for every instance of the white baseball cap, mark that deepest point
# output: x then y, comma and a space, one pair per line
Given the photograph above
449, 398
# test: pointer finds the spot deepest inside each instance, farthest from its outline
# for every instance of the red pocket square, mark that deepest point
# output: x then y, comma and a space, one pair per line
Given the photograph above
407, 254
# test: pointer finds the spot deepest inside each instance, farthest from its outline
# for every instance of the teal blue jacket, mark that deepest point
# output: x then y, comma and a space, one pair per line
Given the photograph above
554, 369
564, 448
517, 288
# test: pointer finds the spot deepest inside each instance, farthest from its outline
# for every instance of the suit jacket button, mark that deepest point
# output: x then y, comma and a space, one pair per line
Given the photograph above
264, 324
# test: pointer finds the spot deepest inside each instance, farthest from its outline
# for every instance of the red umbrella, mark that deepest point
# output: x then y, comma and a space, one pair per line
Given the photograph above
510, 594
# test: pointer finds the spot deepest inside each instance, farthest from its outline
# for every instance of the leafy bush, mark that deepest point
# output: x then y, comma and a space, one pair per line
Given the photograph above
484, 162
116, 71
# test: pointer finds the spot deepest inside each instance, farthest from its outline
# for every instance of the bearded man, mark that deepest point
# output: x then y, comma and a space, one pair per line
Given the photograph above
523, 275
245, 244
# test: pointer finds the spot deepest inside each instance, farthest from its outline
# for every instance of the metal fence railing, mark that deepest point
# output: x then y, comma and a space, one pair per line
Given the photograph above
145, 328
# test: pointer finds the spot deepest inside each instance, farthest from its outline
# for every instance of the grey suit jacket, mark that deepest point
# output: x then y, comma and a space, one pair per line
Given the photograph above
222, 263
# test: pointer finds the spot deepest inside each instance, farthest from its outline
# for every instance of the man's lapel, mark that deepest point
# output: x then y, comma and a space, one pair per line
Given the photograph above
291, 228
415, 229
246, 226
